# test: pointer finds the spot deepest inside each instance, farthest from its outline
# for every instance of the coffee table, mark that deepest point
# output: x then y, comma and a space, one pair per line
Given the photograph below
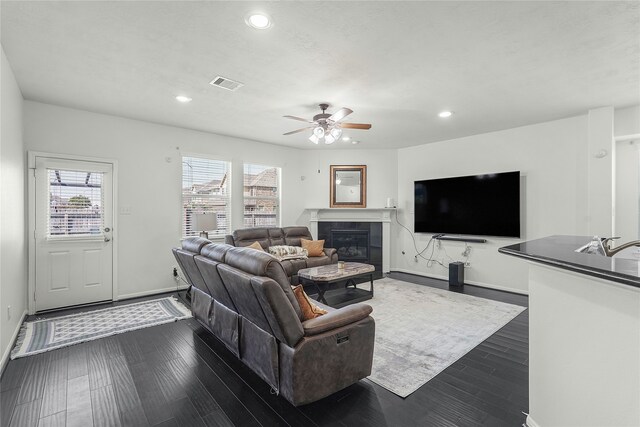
326, 275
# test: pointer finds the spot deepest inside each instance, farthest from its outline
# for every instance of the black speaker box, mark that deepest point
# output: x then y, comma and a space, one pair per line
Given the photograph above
456, 274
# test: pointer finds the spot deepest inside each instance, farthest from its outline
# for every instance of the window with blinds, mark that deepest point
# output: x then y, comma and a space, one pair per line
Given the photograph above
261, 196
206, 189
76, 205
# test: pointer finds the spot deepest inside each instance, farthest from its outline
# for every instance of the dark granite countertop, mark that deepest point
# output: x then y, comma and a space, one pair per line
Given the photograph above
559, 251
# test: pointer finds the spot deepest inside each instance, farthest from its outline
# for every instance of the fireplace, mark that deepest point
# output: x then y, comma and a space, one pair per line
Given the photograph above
352, 245
355, 242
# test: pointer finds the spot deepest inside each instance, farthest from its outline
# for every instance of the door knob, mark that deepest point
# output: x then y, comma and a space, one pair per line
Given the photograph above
107, 229
106, 239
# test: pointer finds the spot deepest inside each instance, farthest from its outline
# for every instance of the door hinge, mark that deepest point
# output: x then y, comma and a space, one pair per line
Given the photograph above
34, 295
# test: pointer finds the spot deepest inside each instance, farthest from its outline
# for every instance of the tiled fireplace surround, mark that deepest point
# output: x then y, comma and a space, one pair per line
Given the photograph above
352, 230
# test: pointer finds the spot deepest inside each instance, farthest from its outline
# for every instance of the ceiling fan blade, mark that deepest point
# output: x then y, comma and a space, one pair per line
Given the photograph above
340, 114
363, 126
298, 130
298, 118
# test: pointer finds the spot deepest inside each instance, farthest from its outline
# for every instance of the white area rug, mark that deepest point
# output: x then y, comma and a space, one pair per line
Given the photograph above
57, 332
420, 331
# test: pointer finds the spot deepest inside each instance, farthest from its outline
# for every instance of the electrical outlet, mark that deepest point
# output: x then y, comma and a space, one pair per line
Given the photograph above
8, 312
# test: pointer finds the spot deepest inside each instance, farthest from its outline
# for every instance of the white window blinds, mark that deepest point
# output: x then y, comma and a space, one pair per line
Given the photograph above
76, 205
206, 189
261, 196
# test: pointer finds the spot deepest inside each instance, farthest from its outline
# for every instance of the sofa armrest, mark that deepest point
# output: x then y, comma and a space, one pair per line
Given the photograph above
336, 319
332, 253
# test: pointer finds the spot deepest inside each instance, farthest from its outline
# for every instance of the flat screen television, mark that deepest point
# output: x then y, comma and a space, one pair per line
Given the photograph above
481, 205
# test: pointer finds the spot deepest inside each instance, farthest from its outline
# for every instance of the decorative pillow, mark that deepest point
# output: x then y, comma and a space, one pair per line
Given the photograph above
283, 252
309, 309
313, 247
256, 245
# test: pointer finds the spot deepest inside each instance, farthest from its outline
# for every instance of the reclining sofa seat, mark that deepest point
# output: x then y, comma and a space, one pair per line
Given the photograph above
246, 301
283, 236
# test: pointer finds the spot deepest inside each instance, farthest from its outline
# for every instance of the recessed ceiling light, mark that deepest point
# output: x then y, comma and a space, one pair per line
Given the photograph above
345, 138
259, 21
355, 142
444, 114
183, 99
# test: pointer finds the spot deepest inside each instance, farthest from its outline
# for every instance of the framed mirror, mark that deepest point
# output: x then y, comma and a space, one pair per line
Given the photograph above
348, 186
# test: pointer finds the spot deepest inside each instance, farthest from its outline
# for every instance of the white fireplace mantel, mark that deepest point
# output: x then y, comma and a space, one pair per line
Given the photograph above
382, 215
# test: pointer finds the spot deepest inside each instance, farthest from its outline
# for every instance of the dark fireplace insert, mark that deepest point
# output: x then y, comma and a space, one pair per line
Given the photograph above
355, 242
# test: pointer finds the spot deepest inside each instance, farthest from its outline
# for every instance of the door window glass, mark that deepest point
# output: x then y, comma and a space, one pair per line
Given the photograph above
75, 203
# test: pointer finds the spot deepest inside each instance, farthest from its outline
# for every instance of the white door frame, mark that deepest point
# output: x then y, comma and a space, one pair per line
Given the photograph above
31, 212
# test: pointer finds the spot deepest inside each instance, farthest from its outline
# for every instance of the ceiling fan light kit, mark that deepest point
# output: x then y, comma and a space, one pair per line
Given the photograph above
328, 127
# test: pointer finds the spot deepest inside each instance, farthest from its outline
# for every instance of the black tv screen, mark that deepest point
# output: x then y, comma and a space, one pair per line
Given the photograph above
482, 205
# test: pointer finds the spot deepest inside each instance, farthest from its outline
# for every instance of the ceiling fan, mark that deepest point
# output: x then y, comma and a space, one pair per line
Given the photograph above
327, 127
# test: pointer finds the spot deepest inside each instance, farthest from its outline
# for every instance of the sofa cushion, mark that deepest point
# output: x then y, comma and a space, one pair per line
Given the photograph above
313, 247
246, 236
208, 267
292, 235
215, 251
276, 236
309, 309
194, 244
262, 264
282, 318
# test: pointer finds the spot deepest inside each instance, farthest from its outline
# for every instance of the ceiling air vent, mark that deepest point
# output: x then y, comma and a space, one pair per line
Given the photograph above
225, 83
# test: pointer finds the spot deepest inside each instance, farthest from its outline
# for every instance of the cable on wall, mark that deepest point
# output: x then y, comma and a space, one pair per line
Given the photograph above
419, 253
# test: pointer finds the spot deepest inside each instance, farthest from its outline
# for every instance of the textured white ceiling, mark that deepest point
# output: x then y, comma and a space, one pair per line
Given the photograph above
498, 65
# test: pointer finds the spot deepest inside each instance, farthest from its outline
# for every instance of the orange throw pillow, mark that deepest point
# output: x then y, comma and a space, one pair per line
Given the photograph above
256, 245
309, 309
313, 247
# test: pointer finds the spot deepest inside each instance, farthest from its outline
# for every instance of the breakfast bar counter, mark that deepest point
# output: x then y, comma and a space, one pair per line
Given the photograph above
584, 334
560, 252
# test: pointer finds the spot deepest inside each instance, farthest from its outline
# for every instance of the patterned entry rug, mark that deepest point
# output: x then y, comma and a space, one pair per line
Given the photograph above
49, 334
420, 331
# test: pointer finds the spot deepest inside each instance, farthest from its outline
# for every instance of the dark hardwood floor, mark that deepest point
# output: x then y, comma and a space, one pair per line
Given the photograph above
180, 375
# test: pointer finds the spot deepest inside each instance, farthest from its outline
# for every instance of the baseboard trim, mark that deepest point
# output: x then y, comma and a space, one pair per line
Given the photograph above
470, 282
530, 422
7, 351
152, 292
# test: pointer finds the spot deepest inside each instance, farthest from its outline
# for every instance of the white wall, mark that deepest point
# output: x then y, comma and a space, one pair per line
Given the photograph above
149, 184
13, 249
382, 175
627, 190
627, 121
600, 172
627, 166
382, 167
551, 157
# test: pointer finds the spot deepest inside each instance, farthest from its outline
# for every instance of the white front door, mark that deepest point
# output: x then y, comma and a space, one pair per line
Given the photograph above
73, 219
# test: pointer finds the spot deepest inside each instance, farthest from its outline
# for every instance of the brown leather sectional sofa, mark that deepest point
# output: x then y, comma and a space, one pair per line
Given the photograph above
244, 298
282, 236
